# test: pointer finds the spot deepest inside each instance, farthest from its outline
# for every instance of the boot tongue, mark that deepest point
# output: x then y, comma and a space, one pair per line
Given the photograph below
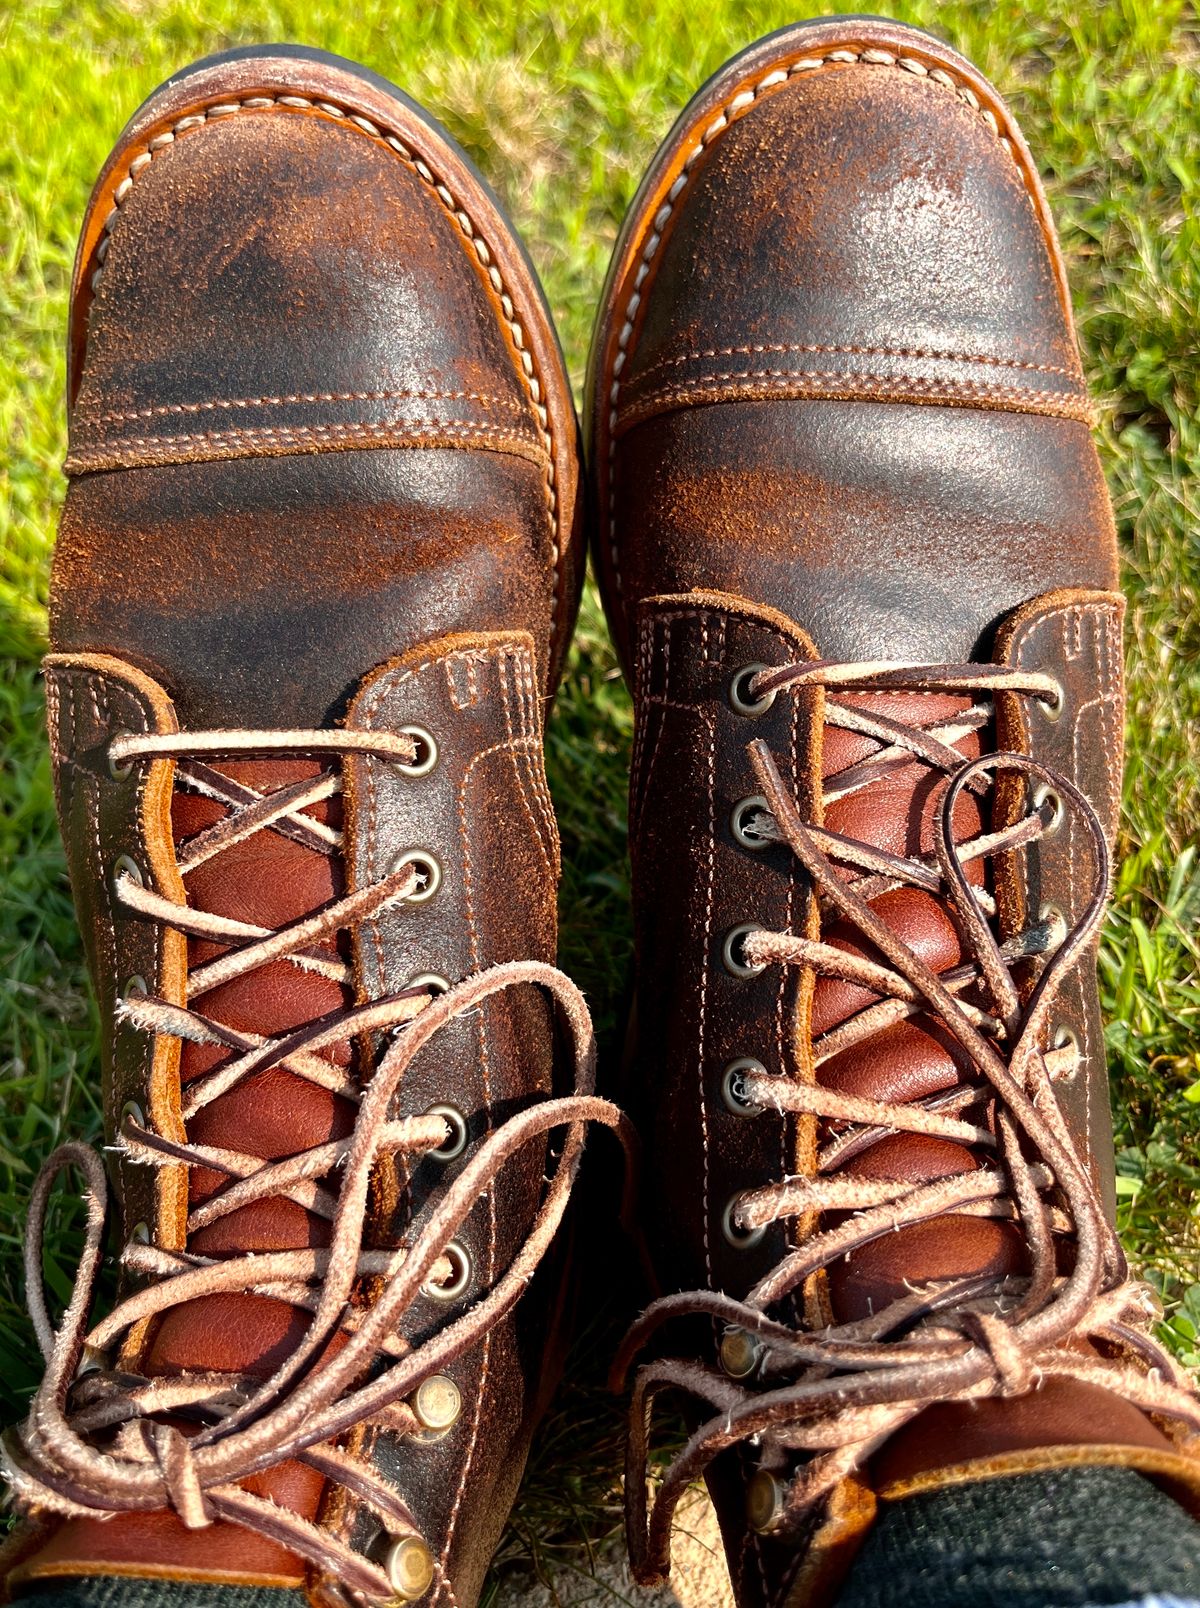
911, 1059
269, 880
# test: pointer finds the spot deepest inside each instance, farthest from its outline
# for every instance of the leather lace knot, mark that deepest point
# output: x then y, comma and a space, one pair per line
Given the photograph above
107, 1442
818, 1397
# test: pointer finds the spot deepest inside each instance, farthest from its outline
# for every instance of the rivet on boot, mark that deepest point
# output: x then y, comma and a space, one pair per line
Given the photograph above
764, 1503
740, 1353
410, 1567
437, 1403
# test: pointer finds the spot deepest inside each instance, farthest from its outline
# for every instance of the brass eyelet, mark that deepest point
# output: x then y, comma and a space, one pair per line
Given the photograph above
430, 867
731, 948
135, 987
740, 1353
427, 751
139, 1234
740, 1238
456, 1141
743, 813
134, 1113
741, 700
732, 1086
460, 1278
764, 1503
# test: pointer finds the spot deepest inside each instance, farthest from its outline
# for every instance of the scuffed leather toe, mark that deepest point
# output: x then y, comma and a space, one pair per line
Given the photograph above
282, 260
836, 340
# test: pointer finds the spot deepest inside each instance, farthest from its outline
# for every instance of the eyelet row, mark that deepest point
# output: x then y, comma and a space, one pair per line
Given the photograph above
743, 702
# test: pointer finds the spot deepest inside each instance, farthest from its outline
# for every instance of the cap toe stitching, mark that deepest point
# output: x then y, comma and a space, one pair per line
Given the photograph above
161, 142
738, 103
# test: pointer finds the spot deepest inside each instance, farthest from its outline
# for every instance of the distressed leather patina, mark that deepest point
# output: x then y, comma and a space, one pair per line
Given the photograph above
321, 545
853, 538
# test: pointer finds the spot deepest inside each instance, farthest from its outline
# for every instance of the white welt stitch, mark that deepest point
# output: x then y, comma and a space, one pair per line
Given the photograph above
296, 103
741, 100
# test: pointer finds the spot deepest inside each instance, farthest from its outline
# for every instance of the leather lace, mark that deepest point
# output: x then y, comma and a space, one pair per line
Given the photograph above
824, 1396
103, 1442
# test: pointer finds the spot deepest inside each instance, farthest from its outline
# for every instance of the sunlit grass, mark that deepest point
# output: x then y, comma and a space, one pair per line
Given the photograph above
562, 110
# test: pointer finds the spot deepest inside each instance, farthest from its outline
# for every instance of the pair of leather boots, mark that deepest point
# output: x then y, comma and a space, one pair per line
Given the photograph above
315, 580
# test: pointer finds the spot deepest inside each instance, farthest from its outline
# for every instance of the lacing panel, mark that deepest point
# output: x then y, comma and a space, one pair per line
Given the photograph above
811, 1400
98, 1442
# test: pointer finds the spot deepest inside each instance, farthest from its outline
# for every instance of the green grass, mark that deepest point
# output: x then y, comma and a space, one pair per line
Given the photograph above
562, 111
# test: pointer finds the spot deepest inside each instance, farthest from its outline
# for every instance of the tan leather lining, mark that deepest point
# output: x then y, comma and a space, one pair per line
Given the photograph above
1179, 1473
148, 1571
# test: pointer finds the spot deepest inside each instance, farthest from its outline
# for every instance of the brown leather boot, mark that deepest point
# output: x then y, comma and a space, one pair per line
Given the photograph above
857, 552
315, 577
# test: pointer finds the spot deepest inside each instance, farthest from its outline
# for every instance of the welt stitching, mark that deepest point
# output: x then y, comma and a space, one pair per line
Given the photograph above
457, 214
738, 103
227, 404
798, 348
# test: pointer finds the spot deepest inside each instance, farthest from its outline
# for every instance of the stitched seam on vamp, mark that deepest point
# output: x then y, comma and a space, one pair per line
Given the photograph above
738, 103
1074, 404
305, 432
798, 348
458, 215
292, 399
